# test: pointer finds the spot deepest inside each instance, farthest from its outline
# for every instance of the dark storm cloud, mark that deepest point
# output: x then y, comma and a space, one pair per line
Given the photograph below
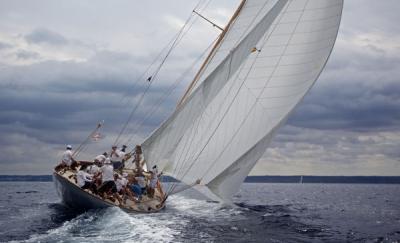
47, 100
350, 117
359, 88
39, 36
356, 92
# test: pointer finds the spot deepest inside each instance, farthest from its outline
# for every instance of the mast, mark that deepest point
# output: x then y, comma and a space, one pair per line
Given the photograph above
211, 54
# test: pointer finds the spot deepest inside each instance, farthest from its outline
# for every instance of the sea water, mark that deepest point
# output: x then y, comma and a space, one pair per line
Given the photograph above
32, 212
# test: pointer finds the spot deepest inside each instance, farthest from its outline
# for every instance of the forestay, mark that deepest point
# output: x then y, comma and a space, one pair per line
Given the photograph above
224, 126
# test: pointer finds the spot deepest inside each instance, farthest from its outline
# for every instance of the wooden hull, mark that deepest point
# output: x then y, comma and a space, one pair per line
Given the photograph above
74, 197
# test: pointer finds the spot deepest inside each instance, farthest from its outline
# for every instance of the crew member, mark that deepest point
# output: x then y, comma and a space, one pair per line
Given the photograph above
67, 160
84, 180
139, 159
108, 184
101, 158
116, 157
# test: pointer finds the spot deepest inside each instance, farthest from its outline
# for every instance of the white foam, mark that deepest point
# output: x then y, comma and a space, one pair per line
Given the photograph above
113, 224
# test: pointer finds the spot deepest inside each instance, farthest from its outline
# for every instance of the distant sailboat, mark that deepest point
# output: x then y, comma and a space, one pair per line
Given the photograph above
264, 62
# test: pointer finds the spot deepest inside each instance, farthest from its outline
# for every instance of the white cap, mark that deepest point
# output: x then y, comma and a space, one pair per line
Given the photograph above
124, 174
69, 146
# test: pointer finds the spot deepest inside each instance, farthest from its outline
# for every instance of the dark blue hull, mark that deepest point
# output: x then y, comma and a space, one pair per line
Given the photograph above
73, 196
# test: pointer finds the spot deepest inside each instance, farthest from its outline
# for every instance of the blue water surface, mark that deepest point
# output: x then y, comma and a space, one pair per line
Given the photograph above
32, 212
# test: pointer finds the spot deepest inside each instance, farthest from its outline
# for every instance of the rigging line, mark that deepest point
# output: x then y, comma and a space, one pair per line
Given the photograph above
162, 99
226, 111
193, 23
252, 107
84, 143
209, 21
174, 85
78, 150
153, 77
211, 54
194, 132
165, 48
166, 95
183, 31
204, 112
180, 36
253, 20
187, 148
150, 66
196, 74
196, 157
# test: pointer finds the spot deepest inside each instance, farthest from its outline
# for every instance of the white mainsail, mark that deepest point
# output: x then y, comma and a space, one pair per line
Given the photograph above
224, 125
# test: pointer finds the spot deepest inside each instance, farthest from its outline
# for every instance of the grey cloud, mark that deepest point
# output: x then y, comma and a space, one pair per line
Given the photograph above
26, 55
4, 45
332, 152
42, 35
48, 100
340, 124
356, 91
359, 16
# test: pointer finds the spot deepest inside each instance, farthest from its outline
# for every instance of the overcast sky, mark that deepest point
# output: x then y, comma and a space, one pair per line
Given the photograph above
66, 65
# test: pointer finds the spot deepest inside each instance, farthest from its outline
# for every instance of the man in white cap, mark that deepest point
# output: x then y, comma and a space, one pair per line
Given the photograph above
67, 160
67, 156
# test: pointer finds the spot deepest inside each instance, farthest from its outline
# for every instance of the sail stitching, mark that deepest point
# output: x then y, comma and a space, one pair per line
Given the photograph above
314, 79
251, 109
208, 140
162, 99
196, 157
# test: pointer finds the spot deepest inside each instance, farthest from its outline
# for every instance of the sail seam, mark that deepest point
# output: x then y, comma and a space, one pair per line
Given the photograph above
252, 107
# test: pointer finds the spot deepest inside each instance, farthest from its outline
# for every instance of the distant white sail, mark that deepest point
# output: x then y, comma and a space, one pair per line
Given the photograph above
225, 124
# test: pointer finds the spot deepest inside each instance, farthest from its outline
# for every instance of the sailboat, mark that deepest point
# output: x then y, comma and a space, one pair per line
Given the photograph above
262, 65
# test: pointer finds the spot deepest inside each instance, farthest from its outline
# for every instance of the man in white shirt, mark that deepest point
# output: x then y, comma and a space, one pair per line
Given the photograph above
116, 157
95, 172
84, 180
67, 156
108, 183
154, 176
139, 159
153, 180
124, 156
67, 160
101, 158
121, 182
141, 181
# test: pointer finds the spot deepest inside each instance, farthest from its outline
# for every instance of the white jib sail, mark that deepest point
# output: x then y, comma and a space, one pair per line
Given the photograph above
224, 126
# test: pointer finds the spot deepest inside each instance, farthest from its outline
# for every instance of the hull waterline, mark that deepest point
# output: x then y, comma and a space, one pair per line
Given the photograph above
75, 197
